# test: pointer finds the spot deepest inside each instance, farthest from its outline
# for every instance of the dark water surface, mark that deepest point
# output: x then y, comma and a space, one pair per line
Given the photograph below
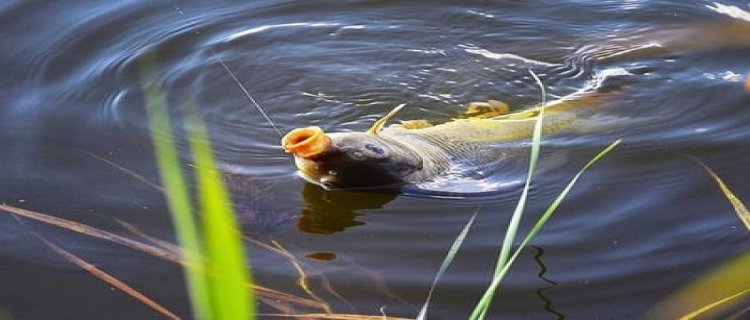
637, 227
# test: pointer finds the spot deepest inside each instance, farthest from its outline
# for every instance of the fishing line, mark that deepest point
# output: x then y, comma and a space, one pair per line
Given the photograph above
247, 94
236, 80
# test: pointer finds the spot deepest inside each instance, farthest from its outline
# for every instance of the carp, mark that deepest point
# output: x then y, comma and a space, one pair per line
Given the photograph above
417, 151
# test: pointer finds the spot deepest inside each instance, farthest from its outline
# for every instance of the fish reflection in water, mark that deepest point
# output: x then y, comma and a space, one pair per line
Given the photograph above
324, 211
329, 211
253, 206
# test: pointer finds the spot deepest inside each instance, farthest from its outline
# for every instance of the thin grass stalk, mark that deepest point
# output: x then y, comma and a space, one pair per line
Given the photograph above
302, 280
335, 316
155, 251
739, 207
446, 262
723, 302
548, 213
480, 310
521, 205
177, 194
225, 256
109, 279
127, 171
714, 293
91, 231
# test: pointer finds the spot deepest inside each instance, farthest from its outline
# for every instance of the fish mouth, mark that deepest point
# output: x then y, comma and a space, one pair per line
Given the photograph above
309, 171
306, 142
316, 181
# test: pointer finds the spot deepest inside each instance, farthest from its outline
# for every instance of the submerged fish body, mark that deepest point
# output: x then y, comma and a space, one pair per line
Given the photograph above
398, 155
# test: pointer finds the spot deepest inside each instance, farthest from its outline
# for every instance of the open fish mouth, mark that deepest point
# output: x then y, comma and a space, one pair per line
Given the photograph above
306, 142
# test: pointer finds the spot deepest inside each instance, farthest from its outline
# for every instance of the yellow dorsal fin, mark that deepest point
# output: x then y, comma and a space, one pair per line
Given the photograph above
378, 125
485, 110
416, 124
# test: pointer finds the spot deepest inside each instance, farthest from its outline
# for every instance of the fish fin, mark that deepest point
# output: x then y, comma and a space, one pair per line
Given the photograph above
577, 100
486, 109
378, 125
415, 124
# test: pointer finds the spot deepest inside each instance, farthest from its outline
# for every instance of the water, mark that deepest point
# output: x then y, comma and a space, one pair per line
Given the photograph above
638, 226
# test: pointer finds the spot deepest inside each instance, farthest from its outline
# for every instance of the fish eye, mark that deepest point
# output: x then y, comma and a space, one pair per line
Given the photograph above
375, 149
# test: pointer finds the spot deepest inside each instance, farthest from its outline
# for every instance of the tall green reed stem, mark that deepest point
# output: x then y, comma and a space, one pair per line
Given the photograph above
216, 271
505, 260
536, 141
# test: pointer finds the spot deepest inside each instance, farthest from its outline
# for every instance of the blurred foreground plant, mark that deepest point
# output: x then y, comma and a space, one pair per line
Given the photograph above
216, 270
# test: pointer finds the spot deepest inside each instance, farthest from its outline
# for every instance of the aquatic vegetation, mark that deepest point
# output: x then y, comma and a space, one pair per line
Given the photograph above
720, 290
504, 265
505, 259
82, 263
710, 296
217, 245
91, 231
446, 262
217, 274
109, 279
169, 252
216, 268
739, 207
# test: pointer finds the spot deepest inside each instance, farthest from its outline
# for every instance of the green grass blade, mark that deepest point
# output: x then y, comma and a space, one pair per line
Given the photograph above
722, 302
224, 251
710, 296
481, 308
721, 289
446, 262
536, 143
550, 210
177, 194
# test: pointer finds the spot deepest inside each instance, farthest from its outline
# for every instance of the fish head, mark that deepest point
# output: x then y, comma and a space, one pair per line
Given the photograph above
347, 160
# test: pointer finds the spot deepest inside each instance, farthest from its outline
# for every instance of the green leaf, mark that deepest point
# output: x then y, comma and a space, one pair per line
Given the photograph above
225, 256
446, 262
548, 213
481, 308
216, 270
178, 196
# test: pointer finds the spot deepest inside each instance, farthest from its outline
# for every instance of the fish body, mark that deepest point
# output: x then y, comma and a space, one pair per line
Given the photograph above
398, 155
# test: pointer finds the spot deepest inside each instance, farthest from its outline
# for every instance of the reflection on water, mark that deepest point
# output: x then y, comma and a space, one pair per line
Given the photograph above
541, 292
329, 211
